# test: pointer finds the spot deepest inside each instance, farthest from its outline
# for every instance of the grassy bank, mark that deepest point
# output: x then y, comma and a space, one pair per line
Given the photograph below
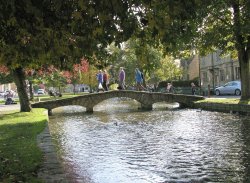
20, 157
224, 101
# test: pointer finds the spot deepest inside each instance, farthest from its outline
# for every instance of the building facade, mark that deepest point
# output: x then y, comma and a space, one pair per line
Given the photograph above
216, 70
190, 68
8, 86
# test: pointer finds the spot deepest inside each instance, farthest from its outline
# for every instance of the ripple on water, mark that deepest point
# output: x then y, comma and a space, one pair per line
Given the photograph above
118, 143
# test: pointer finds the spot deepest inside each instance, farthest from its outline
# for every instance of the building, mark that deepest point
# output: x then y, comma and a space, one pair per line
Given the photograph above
190, 68
8, 86
216, 70
78, 88
212, 70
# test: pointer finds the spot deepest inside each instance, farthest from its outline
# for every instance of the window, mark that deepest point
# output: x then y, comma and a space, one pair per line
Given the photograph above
234, 84
222, 75
204, 77
229, 84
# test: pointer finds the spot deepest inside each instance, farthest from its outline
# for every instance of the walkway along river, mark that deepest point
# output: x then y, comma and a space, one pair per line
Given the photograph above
118, 143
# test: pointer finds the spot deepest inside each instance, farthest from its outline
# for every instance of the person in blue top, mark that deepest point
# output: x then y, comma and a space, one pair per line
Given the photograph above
139, 80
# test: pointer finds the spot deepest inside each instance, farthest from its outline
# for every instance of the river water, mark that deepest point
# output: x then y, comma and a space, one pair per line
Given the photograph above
120, 144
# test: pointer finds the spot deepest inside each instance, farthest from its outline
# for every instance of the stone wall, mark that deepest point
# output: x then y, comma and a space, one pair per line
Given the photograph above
230, 108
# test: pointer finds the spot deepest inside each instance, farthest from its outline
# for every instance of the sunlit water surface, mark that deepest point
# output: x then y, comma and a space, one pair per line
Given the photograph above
120, 144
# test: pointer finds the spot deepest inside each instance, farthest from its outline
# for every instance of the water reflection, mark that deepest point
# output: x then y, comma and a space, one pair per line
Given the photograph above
118, 143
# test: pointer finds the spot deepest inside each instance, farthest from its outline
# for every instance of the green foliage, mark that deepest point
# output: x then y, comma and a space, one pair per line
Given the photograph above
5, 78
35, 33
20, 156
136, 53
205, 26
55, 79
168, 70
178, 83
89, 77
147, 57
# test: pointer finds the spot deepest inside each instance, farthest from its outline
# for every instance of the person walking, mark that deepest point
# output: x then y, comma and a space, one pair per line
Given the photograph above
100, 80
105, 80
121, 79
139, 80
169, 88
193, 88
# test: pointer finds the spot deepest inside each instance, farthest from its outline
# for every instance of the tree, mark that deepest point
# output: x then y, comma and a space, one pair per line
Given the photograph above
75, 75
168, 70
89, 77
136, 53
226, 26
202, 25
39, 32
5, 76
30, 30
56, 79
147, 57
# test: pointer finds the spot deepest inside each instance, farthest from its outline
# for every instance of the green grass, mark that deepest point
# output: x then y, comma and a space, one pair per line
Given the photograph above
224, 101
20, 157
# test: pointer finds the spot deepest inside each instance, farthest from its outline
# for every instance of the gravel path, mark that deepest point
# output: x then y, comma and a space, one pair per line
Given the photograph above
9, 107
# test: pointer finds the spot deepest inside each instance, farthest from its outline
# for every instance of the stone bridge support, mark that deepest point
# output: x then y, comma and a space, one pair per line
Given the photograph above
50, 112
89, 109
147, 106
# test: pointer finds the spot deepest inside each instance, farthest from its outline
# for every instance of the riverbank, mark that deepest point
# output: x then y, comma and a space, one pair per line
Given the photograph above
229, 105
51, 170
20, 157
26, 154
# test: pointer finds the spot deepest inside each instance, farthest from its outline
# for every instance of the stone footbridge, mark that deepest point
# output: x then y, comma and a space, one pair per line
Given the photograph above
146, 99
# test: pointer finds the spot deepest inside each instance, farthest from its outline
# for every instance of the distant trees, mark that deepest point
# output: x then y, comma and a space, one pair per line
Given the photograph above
202, 25
74, 76
149, 59
5, 76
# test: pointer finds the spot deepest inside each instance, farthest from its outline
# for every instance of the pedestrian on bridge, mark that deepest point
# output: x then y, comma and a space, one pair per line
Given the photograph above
139, 80
193, 88
100, 81
169, 88
121, 79
105, 80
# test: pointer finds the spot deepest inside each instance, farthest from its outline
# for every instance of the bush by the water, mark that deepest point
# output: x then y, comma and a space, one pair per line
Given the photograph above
186, 83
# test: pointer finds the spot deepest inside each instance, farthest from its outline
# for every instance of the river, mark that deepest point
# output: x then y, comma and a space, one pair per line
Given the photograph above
120, 144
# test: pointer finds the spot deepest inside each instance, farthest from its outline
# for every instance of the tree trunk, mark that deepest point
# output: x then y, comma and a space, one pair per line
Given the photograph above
31, 90
243, 48
19, 79
245, 73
